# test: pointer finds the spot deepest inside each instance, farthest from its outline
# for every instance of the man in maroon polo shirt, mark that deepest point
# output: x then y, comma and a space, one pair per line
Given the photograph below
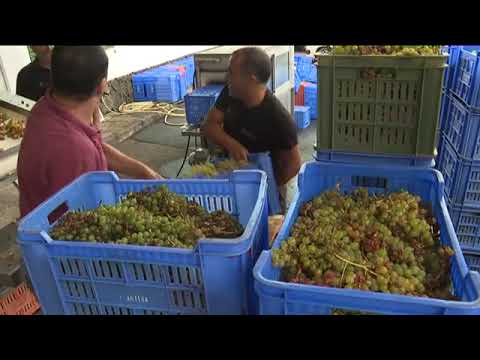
62, 138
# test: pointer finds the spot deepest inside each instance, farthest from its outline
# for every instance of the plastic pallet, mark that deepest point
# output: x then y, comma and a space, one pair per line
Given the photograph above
462, 177
200, 101
462, 128
278, 297
19, 301
395, 116
473, 260
466, 78
302, 116
87, 278
466, 222
377, 159
311, 98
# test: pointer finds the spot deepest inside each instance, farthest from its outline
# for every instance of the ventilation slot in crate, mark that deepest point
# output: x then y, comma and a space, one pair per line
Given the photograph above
84, 309
110, 270
185, 299
145, 272
116, 310
71, 267
78, 290
184, 276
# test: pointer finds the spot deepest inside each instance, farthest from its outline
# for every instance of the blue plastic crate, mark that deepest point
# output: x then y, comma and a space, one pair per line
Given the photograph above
466, 222
263, 162
462, 177
452, 52
462, 129
138, 85
297, 81
466, 77
164, 83
445, 102
199, 102
183, 78
302, 116
377, 159
89, 278
277, 297
189, 64
311, 99
473, 260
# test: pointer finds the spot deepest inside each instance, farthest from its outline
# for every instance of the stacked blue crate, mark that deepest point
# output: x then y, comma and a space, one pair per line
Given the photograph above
189, 65
305, 69
311, 99
459, 146
302, 116
164, 83
199, 102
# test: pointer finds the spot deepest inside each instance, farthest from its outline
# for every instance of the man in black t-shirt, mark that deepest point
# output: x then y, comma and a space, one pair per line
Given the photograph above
248, 118
34, 79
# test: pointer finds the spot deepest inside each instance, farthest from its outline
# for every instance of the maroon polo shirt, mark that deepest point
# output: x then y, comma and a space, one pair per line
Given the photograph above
56, 149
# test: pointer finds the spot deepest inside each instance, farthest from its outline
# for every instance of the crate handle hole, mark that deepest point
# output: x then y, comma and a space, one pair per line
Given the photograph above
57, 213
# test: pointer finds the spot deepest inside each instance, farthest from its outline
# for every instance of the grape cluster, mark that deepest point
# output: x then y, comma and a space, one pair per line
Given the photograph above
211, 170
151, 217
384, 243
395, 50
12, 128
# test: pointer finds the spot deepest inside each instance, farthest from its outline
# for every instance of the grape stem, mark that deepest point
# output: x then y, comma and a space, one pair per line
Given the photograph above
357, 265
343, 273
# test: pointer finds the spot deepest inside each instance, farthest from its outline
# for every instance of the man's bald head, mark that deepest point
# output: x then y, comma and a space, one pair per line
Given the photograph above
255, 62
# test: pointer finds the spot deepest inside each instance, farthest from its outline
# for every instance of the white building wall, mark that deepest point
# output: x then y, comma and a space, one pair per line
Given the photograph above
123, 60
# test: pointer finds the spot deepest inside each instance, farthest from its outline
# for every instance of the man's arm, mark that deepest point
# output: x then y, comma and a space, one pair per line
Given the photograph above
21, 89
287, 164
213, 130
123, 164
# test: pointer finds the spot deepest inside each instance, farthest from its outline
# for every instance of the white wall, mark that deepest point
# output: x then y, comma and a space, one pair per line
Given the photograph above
123, 60
12, 60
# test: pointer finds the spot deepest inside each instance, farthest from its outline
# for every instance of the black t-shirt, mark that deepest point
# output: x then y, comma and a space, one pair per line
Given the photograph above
32, 81
266, 127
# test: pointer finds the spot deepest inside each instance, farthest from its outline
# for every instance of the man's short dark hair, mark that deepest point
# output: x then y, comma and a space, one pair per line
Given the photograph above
256, 62
78, 70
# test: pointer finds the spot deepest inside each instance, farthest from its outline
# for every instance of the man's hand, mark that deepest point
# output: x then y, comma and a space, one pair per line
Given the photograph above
152, 175
97, 118
237, 151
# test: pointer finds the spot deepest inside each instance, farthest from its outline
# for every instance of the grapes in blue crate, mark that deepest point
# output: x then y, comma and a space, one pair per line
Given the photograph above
153, 217
382, 243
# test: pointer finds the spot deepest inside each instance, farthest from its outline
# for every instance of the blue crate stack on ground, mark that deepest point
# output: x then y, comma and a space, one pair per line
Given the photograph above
106, 279
189, 64
281, 298
199, 102
459, 146
165, 83
302, 116
311, 99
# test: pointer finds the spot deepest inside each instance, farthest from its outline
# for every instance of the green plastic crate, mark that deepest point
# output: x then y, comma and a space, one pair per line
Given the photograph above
397, 115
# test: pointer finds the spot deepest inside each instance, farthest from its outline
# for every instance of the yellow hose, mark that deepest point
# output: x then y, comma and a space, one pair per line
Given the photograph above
165, 109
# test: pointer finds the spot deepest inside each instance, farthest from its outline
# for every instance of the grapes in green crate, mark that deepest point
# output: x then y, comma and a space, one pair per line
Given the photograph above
382, 243
394, 50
